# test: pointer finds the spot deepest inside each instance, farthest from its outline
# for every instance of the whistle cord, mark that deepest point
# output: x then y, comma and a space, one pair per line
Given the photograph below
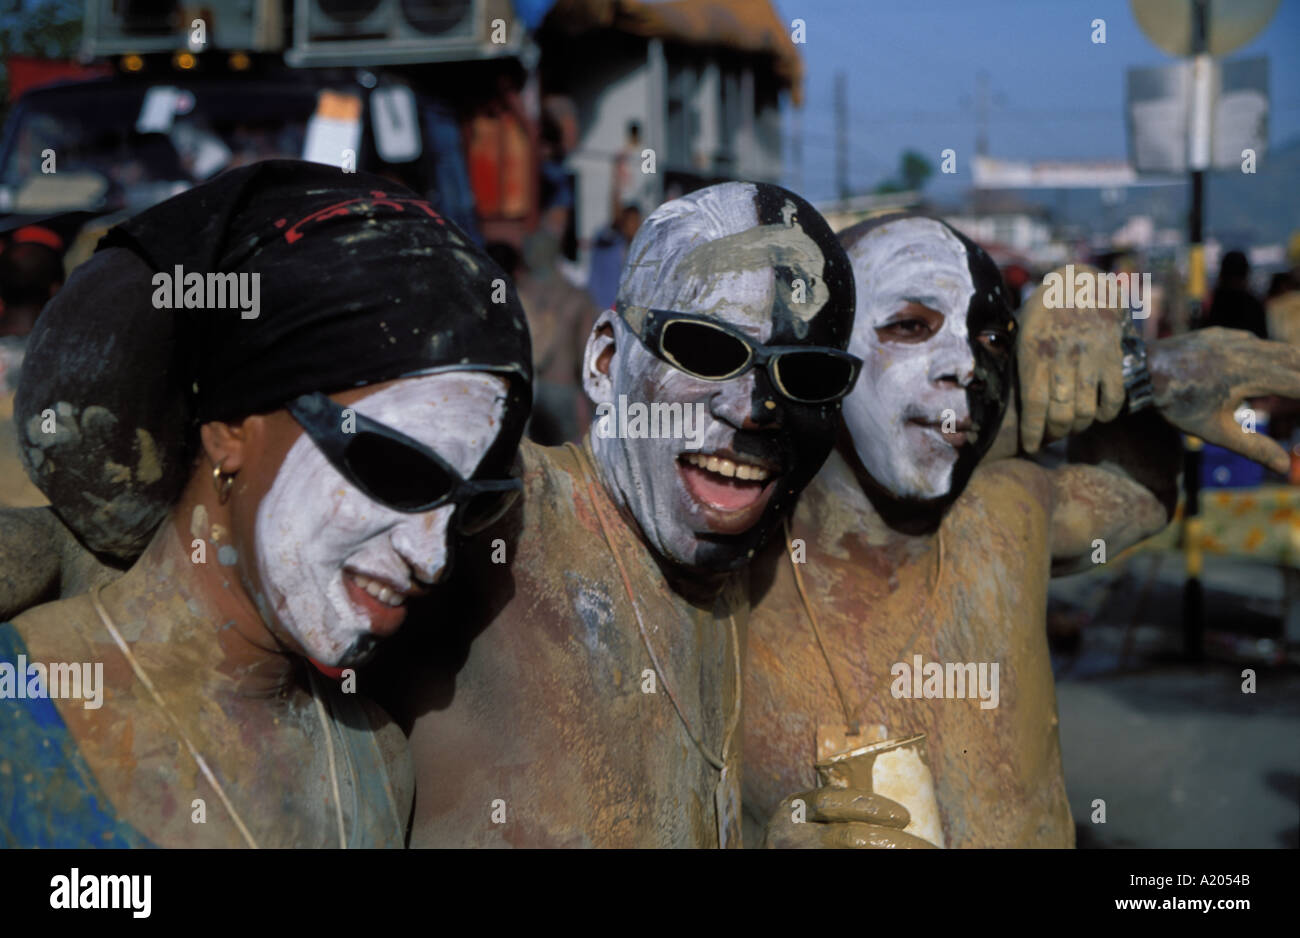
144, 679
850, 723
329, 750
718, 763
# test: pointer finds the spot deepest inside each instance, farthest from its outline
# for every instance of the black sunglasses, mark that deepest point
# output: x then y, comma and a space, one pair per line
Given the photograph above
397, 471
708, 349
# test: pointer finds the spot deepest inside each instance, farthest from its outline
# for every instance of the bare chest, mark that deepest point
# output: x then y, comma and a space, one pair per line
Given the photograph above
949, 642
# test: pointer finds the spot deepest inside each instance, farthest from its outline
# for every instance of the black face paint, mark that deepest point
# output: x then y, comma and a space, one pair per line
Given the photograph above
991, 329
807, 430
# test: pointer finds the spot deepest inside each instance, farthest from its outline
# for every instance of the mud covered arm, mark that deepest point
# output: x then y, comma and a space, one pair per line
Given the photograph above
1200, 379
30, 559
40, 560
1120, 486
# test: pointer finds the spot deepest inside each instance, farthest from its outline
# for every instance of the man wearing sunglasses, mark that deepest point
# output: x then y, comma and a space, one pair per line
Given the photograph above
596, 701
922, 545
282, 489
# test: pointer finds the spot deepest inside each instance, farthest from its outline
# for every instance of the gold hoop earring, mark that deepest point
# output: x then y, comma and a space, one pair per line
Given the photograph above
222, 482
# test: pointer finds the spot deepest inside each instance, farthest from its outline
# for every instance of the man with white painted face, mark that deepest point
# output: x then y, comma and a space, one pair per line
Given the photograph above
907, 551
597, 701
283, 487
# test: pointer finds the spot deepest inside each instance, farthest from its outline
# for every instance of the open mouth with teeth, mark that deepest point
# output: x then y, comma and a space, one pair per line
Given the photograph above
382, 603
729, 490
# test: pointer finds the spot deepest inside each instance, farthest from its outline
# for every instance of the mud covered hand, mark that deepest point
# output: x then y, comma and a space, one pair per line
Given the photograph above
1201, 378
1071, 367
843, 818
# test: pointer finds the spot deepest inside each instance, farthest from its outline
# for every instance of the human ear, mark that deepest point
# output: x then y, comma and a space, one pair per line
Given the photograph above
597, 379
227, 444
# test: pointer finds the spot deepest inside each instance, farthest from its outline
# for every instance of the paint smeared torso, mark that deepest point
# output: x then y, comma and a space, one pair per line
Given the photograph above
539, 719
268, 753
997, 771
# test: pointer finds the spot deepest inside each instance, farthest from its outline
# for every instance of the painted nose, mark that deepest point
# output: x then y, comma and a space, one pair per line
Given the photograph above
954, 363
423, 543
733, 401
749, 403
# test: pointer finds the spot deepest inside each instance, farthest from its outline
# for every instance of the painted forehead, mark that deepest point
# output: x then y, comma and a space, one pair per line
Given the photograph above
710, 254
912, 259
457, 414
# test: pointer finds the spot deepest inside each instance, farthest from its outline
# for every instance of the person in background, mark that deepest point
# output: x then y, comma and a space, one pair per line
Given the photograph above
1282, 307
560, 316
1233, 305
608, 253
451, 176
628, 181
559, 135
31, 272
1019, 283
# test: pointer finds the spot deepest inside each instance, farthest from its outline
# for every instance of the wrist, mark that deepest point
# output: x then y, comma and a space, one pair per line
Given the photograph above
1139, 385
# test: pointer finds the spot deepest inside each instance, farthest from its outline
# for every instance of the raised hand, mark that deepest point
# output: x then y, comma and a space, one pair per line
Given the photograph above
1071, 367
1201, 378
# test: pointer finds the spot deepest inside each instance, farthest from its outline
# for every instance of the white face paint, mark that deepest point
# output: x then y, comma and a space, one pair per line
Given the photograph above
325, 549
896, 412
674, 263
679, 506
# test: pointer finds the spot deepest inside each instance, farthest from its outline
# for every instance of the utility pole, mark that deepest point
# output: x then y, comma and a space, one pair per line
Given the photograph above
1198, 159
1199, 154
1215, 29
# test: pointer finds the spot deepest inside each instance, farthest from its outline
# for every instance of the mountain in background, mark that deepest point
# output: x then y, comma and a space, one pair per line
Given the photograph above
1263, 208
1240, 210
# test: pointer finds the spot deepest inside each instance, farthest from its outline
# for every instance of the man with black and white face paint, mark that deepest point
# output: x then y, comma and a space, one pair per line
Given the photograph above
907, 553
714, 283
600, 699
934, 333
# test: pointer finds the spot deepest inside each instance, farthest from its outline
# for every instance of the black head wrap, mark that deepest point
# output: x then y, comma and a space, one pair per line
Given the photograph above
358, 281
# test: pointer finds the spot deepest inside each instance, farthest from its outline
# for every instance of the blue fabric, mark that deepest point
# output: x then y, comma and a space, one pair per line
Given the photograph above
557, 186
455, 197
48, 795
532, 12
607, 256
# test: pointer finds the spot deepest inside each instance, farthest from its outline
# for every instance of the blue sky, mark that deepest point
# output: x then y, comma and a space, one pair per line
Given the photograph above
912, 68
